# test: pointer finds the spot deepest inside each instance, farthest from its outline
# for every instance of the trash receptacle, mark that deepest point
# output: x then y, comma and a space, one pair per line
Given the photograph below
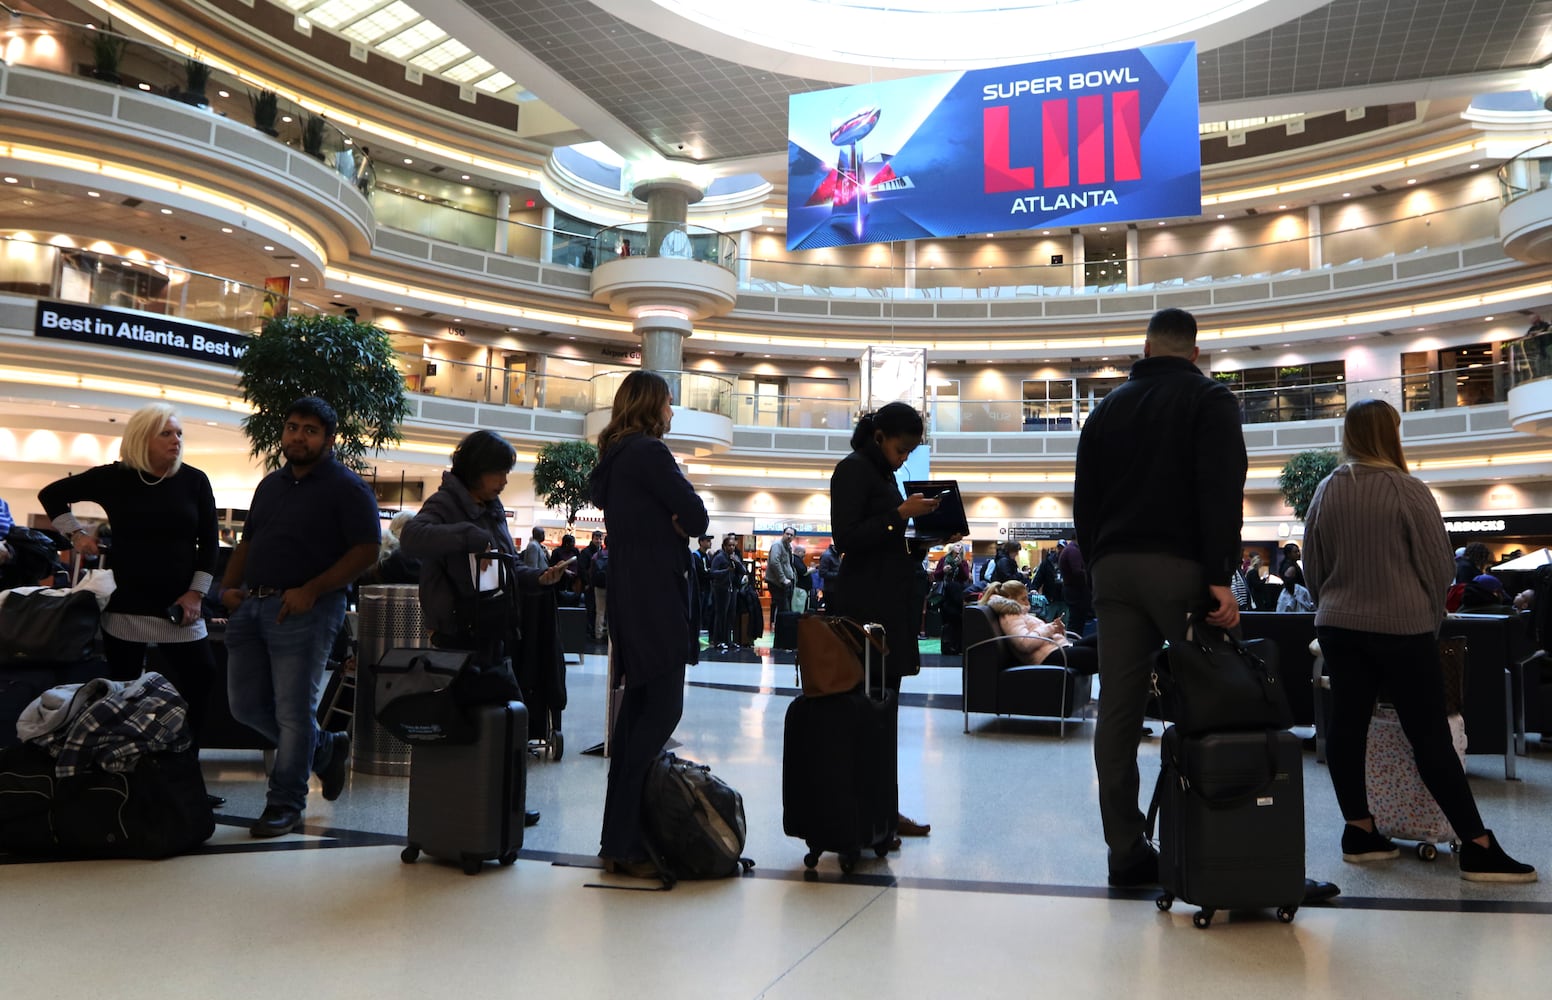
389, 618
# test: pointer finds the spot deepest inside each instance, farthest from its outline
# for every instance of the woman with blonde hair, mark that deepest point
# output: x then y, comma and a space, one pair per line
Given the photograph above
1035, 639
650, 511
1378, 562
165, 540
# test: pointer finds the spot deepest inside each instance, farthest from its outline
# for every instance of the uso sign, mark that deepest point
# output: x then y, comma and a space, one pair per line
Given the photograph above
1078, 141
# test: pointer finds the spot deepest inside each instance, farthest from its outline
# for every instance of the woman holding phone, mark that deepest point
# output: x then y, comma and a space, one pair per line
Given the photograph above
868, 517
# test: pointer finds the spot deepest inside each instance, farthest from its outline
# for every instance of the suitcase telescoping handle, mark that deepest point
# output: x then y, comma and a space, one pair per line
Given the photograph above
875, 632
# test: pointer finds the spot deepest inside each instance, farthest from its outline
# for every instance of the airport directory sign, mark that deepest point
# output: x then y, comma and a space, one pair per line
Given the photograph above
1084, 140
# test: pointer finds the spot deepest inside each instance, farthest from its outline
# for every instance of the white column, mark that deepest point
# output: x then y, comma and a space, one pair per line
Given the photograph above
1317, 252
1077, 261
503, 223
547, 235
1132, 268
745, 251
910, 265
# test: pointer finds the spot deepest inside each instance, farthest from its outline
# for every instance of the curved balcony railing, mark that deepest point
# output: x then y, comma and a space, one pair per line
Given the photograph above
1526, 173
692, 390
47, 43
90, 277
676, 240
1530, 357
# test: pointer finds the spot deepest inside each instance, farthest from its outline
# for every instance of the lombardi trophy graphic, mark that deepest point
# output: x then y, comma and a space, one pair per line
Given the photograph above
851, 186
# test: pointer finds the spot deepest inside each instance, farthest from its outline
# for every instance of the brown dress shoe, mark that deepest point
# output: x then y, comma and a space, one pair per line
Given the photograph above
908, 827
634, 869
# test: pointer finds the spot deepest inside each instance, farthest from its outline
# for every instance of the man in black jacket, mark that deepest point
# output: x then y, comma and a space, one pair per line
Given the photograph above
1157, 504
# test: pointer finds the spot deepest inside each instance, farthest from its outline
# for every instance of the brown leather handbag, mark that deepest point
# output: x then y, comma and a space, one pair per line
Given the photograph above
835, 655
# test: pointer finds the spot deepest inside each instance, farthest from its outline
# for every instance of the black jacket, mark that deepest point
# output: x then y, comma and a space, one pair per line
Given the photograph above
1161, 469
879, 576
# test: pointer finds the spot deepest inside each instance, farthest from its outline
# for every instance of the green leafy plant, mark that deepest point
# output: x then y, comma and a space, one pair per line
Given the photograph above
560, 476
1302, 474
266, 110
107, 52
195, 76
347, 363
314, 128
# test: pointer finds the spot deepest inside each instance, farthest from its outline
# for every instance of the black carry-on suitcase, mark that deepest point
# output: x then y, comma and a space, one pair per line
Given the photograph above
1231, 822
786, 631
838, 780
467, 800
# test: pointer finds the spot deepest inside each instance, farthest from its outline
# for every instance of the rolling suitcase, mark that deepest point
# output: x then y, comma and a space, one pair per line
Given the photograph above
786, 636
467, 800
1231, 822
838, 771
1402, 806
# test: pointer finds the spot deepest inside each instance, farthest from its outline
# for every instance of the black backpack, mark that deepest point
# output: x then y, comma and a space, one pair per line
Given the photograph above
693, 820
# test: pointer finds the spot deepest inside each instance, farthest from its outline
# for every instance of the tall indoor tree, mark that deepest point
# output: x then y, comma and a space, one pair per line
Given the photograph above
1302, 474
348, 363
560, 476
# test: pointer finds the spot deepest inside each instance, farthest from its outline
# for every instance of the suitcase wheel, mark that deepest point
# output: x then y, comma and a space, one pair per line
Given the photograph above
880, 850
1202, 919
557, 744
848, 863
811, 859
410, 854
472, 866
1164, 902
1285, 913
508, 859
1427, 852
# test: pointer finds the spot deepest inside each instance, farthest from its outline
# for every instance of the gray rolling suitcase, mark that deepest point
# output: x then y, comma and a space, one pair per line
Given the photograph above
467, 800
1231, 822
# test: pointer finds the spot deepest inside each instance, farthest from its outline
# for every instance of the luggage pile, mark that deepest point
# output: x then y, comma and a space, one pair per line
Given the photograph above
838, 780
1230, 794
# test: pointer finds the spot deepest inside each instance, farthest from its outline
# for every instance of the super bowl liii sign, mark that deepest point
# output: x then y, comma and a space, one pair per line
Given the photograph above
138, 332
1089, 139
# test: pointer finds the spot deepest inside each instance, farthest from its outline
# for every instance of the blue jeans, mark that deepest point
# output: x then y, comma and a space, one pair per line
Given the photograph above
274, 680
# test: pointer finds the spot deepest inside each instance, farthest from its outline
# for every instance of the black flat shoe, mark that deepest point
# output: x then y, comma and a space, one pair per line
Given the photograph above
531, 817
214, 801
276, 822
1319, 892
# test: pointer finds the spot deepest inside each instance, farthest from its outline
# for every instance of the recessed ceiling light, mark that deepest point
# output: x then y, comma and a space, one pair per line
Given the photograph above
463, 177
226, 229
398, 309
94, 194
144, 86
770, 229
1347, 194
1411, 180
11, 180
166, 211
1282, 208
1104, 229
990, 235
408, 161
1220, 215
337, 295
1474, 166
296, 265
223, 93
268, 247
1161, 223
211, 423
304, 277
285, 118
1489, 319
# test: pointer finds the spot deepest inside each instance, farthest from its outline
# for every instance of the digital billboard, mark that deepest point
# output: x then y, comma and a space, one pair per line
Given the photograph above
1079, 141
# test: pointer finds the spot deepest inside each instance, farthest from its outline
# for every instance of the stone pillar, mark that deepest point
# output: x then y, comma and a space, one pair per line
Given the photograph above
662, 345
910, 265
745, 252
503, 222
1133, 264
668, 208
547, 235
1077, 261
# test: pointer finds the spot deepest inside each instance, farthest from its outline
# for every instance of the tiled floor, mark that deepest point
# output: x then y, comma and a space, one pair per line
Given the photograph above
1005, 899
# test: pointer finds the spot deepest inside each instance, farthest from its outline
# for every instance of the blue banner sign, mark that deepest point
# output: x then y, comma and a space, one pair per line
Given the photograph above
1070, 142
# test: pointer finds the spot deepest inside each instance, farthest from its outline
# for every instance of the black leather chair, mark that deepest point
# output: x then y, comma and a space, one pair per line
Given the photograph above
1500, 653
995, 682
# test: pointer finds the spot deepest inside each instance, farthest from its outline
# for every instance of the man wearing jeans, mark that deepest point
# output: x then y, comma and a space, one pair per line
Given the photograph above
312, 528
1157, 501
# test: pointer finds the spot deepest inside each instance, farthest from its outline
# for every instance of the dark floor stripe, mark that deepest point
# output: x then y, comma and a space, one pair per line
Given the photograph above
828, 874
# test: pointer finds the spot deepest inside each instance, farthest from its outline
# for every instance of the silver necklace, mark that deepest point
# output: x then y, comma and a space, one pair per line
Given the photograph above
148, 482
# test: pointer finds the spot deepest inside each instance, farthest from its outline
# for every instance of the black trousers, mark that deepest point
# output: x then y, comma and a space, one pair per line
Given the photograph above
647, 717
724, 613
1407, 668
188, 665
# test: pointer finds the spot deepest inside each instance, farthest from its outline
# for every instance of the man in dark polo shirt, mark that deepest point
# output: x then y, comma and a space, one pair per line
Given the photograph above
312, 528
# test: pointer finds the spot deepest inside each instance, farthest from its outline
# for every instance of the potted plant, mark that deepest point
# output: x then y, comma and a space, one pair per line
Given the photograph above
266, 109
560, 476
314, 128
107, 53
348, 363
195, 76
